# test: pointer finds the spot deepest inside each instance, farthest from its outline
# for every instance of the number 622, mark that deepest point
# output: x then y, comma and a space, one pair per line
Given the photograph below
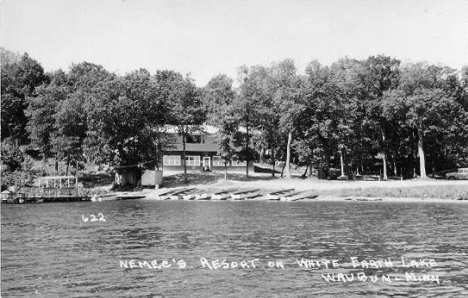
92, 217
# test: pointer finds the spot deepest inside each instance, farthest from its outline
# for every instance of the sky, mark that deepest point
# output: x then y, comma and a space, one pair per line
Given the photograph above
206, 38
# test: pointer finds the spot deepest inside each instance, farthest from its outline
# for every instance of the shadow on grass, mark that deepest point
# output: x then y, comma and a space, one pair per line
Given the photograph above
90, 180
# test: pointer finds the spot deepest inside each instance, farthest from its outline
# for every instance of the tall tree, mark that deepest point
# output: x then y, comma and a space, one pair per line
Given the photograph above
41, 111
121, 119
20, 77
429, 104
219, 97
382, 74
70, 129
247, 106
322, 115
287, 89
185, 104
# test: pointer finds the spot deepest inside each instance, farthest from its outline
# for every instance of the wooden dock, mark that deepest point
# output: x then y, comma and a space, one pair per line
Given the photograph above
44, 199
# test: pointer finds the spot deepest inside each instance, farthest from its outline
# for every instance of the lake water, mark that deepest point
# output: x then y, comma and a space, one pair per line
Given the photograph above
410, 249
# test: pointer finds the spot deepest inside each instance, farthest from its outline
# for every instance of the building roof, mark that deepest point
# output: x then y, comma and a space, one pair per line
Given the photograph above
208, 144
203, 129
208, 133
57, 177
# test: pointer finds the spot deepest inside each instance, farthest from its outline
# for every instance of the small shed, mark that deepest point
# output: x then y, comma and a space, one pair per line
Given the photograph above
151, 178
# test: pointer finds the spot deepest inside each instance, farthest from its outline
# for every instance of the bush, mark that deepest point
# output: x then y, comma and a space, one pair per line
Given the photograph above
16, 166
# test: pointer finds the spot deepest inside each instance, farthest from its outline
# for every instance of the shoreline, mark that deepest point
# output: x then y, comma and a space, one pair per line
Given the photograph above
391, 200
415, 190
343, 199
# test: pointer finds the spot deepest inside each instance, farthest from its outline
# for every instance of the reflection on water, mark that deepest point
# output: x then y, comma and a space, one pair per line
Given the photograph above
48, 251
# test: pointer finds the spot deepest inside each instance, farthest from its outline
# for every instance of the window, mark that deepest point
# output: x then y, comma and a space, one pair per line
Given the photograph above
218, 161
237, 163
192, 160
194, 139
171, 160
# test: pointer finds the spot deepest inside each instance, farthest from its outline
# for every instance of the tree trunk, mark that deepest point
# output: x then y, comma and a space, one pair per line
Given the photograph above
384, 161
56, 165
183, 156
44, 161
324, 172
225, 170
422, 159
68, 164
156, 169
305, 172
327, 162
282, 170
273, 162
288, 155
342, 163
384, 156
247, 152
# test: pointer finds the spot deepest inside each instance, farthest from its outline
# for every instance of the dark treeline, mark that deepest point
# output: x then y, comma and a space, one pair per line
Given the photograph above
353, 117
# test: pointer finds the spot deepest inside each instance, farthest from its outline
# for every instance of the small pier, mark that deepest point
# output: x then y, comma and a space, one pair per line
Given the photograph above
51, 189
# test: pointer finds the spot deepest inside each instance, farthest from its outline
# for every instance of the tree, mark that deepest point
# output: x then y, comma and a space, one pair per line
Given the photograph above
429, 106
250, 107
321, 117
41, 111
185, 105
122, 117
355, 134
15, 165
219, 97
287, 92
70, 129
20, 77
382, 74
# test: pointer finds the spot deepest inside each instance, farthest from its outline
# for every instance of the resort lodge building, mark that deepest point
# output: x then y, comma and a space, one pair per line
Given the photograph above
201, 154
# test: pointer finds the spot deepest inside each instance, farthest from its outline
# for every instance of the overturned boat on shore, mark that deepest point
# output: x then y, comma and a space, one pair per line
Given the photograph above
236, 194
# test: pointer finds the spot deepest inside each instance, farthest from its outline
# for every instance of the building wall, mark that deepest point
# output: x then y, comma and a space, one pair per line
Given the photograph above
197, 147
151, 178
172, 162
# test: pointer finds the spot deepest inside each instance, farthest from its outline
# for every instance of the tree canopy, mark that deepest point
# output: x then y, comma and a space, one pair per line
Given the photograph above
355, 116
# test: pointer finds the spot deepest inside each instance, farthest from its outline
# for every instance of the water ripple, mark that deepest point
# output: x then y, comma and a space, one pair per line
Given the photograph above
48, 251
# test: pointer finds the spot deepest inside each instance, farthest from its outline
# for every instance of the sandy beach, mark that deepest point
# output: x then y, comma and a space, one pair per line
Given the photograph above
433, 190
